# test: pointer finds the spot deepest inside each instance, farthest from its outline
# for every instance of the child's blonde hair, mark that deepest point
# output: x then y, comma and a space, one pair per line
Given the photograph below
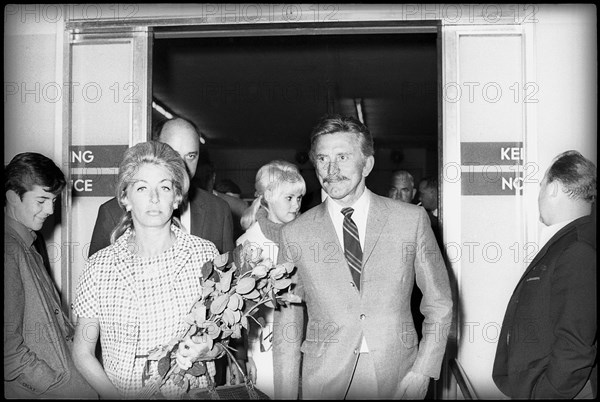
271, 178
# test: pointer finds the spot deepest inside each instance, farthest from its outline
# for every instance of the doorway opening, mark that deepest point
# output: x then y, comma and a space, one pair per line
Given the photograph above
256, 96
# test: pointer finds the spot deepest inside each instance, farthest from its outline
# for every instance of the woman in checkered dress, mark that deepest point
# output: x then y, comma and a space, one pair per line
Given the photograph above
135, 293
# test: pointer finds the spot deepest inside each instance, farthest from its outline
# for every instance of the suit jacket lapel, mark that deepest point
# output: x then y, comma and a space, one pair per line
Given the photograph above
323, 220
324, 237
375, 223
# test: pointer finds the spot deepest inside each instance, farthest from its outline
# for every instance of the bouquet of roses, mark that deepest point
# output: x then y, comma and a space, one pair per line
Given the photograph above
234, 285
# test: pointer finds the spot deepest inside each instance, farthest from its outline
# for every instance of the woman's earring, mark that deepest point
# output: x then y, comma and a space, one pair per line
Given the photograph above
128, 208
175, 206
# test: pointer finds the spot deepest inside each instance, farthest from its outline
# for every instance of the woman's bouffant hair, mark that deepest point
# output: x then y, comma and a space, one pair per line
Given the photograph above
272, 177
149, 153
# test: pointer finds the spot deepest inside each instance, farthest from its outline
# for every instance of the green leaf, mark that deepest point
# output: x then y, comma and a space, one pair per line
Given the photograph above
262, 283
245, 285
237, 255
219, 304
237, 315
226, 333
282, 283
277, 272
199, 312
245, 268
234, 302
244, 321
228, 317
260, 271
255, 294
207, 270
211, 328
164, 364
221, 260
237, 331
226, 281
288, 266
197, 369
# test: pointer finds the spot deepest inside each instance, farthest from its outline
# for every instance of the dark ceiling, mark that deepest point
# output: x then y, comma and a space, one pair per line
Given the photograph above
268, 92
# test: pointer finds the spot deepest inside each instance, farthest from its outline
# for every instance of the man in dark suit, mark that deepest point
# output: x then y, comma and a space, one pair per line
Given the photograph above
208, 216
547, 345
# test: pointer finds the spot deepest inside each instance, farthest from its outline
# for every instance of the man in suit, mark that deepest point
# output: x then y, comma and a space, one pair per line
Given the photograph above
205, 215
403, 186
547, 345
355, 270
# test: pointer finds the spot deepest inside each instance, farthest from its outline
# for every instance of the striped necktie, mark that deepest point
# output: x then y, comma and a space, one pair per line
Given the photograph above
352, 249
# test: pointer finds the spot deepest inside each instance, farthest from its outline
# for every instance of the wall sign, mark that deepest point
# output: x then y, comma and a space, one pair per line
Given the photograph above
491, 153
488, 168
94, 169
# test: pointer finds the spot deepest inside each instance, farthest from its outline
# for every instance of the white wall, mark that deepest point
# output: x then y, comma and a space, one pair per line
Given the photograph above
33, 91
567, 76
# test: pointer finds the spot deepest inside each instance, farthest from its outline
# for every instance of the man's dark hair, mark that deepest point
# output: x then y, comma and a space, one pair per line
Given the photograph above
332, 124
28, 169
430, 182
576, 173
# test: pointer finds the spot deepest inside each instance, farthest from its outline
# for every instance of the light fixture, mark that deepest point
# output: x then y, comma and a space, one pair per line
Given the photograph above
161, 110
359, 109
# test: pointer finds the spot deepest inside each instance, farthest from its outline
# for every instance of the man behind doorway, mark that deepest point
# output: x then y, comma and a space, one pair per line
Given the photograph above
403, 186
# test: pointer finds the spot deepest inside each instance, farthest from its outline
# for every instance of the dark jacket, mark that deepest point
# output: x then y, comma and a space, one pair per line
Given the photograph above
37, 335
547, 345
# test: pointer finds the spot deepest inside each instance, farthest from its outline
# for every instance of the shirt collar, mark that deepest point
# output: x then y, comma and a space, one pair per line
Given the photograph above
362, 204
23, 231
547, 232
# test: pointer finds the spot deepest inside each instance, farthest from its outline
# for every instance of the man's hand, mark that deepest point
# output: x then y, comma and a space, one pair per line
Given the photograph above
412, 386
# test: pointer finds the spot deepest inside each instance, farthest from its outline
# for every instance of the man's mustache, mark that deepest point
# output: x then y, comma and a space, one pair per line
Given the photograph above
329, 179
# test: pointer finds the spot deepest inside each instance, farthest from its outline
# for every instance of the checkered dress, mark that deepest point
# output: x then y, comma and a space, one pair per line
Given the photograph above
141, 303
